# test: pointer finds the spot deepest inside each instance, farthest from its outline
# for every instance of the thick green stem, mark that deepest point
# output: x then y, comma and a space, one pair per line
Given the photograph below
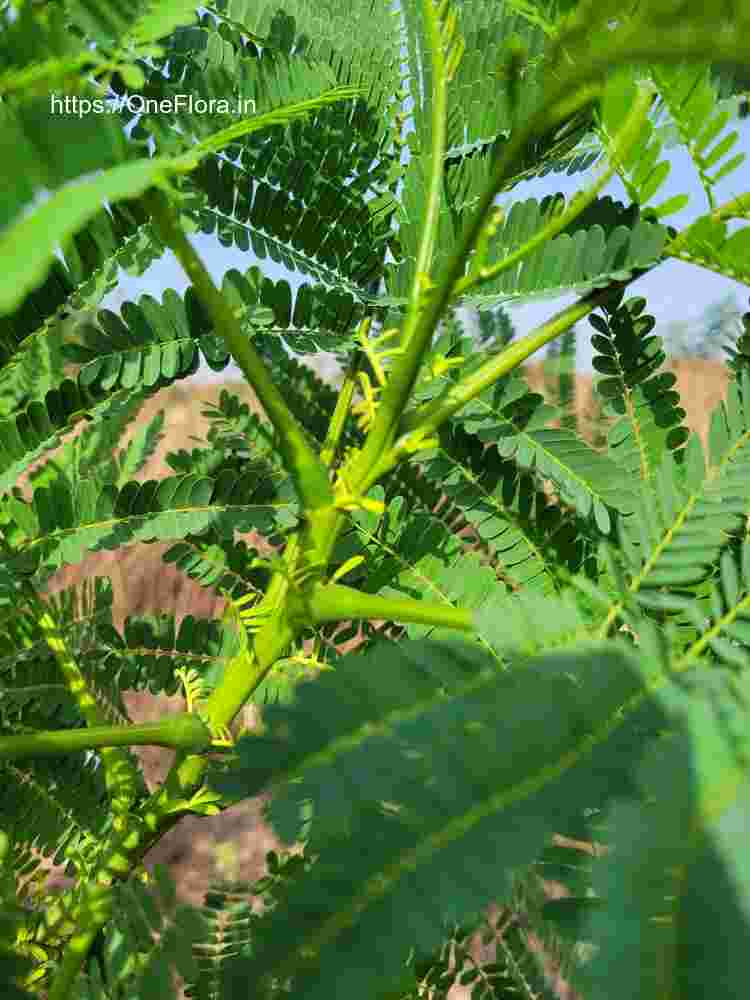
309, 473
185, 732
437, 151
243, 674
333, 602
241, 679
164, 808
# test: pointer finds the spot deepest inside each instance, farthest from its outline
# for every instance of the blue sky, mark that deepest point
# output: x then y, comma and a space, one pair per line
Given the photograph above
675, 291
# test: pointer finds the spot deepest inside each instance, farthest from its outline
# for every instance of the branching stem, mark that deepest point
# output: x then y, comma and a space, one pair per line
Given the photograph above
309, 473
184, 731
332, 602
417, 333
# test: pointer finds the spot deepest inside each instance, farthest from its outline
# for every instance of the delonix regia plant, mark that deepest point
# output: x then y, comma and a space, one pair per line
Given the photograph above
555, 638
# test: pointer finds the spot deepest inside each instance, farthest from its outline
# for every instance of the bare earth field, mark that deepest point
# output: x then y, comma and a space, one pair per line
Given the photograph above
197, 850
701, 385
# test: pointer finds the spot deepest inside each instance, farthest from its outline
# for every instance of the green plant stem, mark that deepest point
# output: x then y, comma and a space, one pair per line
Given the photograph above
164, 808
339, 417
416, 334
240, 677
332, 602
428, 418
309, 473
182, 731
240, 680
437, 153
94, 912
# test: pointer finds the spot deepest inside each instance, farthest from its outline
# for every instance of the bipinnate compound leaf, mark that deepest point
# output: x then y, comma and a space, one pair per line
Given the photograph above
423, 776
63, 522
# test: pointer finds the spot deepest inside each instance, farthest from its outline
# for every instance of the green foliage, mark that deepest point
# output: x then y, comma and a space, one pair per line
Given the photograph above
639, 396
676, 850
438, 828
689, 95
436, 785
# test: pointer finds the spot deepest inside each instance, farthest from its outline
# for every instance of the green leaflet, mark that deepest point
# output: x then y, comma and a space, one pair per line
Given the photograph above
681, 521
152, 647
690, 96
708, 242
33, 137
648, 418
32, 692
712, 620
605, 243
160, 19
363, 37
317, 223
139, 450
411, 552
62, 820
32, 335
644, 170
150, 924
151, 342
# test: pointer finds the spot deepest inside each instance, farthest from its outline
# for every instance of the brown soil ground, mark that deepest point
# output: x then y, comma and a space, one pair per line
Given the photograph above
701, 385
196, 851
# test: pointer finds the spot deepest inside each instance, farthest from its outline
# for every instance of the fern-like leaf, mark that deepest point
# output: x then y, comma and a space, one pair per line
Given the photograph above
648, 418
